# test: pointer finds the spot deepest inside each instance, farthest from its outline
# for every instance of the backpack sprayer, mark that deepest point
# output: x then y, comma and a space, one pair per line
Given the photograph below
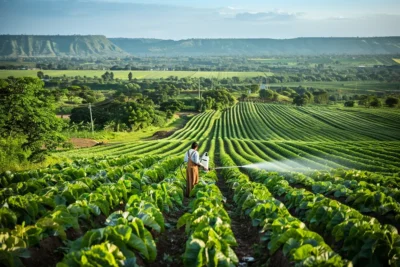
204, 160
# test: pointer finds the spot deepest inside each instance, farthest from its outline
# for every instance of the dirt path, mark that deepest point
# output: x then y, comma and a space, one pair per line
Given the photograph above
171, 244
246, 235
83, 142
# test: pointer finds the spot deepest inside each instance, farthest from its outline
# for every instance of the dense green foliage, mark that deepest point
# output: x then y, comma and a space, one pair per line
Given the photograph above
27, 114
216, 99
133, 114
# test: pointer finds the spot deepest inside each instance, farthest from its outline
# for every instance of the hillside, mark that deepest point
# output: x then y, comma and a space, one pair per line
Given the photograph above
98, 45
57, 45
251, 47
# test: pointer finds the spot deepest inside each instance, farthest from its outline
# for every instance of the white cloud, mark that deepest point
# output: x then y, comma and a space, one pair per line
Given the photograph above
266, 16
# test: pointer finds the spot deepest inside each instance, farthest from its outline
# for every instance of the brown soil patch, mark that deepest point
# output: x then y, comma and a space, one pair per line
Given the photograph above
162, 134
65, 117
247, 236
278, 259
171, 244
45, 254
83, 142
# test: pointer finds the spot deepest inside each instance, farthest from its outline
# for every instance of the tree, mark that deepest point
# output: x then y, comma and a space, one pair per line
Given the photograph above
320, 97
106, 76
243, 96
376, 103
369, 101
301, 100
40, 74
392, 101
171, 106
131, 90
333, 98
138, 116
130, 76
266, 94
255, 88
27, 112
222, 98
349, 103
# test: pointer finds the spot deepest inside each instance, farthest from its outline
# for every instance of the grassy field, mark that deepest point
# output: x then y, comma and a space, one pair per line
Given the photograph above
136, 74
334, 61
397, 60
371, 86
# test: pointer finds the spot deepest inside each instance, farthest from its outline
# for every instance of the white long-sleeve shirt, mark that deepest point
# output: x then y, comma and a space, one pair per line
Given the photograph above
195, 156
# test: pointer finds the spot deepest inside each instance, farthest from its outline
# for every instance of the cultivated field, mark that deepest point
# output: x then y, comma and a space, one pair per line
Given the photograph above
335, 61
317, 186
347, 86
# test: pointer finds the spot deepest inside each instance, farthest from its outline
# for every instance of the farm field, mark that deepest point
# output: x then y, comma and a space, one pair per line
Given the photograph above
348, 86
136, 74
316, 186
335, 61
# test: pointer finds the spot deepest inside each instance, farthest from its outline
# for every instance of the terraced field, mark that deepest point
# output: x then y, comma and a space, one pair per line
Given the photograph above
315, 187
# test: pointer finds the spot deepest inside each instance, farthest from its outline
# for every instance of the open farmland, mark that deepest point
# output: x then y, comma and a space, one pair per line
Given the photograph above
136, 74
346, 86
322, 181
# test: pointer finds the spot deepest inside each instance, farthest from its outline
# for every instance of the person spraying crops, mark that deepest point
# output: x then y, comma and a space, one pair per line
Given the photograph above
192, 159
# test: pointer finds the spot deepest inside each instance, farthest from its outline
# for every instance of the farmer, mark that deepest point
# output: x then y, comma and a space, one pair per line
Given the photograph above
192, 172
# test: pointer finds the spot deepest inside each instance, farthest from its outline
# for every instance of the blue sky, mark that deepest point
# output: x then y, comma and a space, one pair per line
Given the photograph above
180, 19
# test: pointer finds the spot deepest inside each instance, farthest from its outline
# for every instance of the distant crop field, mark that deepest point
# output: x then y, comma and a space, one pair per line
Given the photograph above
371, 86
337, 61
136, 74
397, 60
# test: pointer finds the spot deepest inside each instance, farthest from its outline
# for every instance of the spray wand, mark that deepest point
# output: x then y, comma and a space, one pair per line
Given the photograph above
228, 167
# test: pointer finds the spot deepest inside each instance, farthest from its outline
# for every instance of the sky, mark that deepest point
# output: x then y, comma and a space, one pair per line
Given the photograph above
183, 19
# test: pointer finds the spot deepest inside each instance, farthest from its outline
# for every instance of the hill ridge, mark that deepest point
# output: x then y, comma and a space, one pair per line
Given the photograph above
57, 46
261, 46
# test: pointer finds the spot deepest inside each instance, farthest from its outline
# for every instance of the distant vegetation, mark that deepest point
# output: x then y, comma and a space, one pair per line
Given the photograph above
94, 45
235, 47
137, 93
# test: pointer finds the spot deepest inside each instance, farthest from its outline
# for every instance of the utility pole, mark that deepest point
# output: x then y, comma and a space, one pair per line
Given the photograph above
91, 117
199, 87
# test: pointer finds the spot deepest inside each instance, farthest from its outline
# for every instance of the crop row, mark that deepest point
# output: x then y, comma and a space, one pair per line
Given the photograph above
281, 122
281, 230
365, 198
356, 123
196, 128
384, 184
145, 194
208, 227
359, 238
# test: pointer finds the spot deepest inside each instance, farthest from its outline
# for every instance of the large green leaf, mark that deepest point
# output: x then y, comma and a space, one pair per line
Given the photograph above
194, 253
138, 244
303, 252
